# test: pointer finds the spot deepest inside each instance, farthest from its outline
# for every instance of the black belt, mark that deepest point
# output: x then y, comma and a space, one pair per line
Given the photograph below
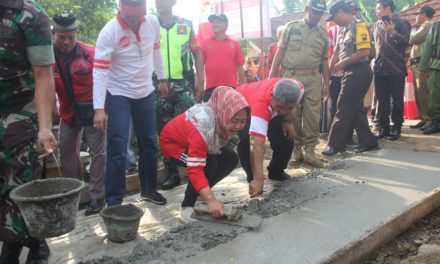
414, 61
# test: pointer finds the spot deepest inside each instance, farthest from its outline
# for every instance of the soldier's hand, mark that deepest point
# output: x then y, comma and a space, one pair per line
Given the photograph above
47, 143
100, 119
163, 89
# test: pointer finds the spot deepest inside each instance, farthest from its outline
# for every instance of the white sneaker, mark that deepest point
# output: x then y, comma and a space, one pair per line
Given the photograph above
185, 214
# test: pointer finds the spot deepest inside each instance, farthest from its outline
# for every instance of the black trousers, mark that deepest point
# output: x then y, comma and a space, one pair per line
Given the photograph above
350, 108
217, 168
282, 148
335, 89
387, 87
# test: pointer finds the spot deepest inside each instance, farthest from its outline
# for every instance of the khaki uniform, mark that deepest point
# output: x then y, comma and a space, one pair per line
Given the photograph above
420, 79
305, 48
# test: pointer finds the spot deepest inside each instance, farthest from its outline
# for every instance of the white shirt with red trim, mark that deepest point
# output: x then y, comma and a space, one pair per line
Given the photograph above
125, 60
259, 96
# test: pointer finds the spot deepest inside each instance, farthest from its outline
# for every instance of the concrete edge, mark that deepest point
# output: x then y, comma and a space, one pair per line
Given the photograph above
359, 250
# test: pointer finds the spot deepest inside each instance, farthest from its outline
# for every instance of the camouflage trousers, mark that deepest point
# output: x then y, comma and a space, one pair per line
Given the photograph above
180, 98
19, 164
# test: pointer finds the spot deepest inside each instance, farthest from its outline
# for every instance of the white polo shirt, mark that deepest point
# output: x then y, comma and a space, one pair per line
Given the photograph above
124, 60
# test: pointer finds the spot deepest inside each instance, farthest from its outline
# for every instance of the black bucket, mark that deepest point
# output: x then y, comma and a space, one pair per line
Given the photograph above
49, 206
122, 221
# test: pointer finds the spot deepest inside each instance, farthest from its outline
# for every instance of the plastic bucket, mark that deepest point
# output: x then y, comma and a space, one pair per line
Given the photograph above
48, 206
122, 221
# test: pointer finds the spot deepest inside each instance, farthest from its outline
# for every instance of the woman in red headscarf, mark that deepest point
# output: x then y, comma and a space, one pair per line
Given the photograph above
197, 140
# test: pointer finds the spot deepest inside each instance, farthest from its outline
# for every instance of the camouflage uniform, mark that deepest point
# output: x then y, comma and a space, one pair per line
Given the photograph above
25, 40
179, 99
177, 43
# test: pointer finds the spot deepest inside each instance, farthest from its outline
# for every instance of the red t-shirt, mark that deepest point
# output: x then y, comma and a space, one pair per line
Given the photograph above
81, 69
221, 58
259, 95
180, 136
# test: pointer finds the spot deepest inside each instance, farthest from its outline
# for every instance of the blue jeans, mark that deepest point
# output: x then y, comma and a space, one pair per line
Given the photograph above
143, 114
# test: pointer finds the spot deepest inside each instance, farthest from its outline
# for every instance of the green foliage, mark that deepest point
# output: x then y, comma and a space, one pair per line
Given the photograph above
291, 6
244, 46
92, 14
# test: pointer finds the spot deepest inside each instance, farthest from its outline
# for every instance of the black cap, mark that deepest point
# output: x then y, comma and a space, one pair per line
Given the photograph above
64, 22
221, 17
317, 5
427, 10
336, 7
353, 5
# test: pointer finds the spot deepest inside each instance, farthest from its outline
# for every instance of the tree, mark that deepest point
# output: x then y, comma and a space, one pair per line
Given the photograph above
291, 6
92, 15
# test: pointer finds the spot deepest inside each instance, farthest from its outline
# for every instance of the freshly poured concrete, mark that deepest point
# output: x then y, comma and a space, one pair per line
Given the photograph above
306, 220
365, 192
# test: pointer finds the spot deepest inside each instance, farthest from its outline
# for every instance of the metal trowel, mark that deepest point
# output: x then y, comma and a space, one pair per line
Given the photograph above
231, 216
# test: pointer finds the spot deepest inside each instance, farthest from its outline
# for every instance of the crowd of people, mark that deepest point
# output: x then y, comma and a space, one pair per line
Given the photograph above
149, 77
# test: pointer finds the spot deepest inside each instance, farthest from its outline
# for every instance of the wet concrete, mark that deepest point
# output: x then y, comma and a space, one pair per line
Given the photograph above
359, 194
306, 219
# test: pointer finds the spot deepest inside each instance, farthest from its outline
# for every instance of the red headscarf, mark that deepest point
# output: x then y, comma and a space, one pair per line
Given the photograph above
212, 117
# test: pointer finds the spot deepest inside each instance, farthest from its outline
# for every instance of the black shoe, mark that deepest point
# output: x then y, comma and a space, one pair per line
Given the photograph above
95, 206
329, 151
383, 133
434, 128
280, 177
10, 253
360, 149
173, 178
38, 251
154, 197
171, 182
418, 125
395, 134
425, 126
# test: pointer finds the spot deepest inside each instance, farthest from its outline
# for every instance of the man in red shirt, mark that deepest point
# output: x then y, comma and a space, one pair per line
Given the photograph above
222, 57
271, 54
272, 102
74, 85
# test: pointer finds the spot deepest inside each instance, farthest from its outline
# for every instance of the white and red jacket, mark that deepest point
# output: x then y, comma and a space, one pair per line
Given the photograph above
181, 140
125, 60
259, 96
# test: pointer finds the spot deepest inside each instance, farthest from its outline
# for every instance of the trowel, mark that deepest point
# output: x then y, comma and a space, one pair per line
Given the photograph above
231, 216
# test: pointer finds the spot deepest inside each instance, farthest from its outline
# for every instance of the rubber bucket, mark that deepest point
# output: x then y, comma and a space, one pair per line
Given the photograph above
48, 206
122, 221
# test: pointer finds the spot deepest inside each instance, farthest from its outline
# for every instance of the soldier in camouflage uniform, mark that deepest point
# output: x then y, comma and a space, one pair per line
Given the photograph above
430, 60
180, 50
25, 71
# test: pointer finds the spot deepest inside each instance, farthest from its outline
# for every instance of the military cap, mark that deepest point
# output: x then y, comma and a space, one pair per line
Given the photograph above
336, 7
133, 7
353, 5
317, 5
64, 22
